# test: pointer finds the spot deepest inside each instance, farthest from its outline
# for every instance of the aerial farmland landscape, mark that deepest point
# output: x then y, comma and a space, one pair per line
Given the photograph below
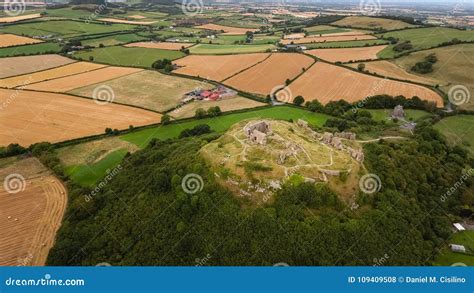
236, 133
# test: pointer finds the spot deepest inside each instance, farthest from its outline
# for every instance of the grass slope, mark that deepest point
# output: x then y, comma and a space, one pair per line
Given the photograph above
447, 257
345, 44
222, 123
113, 40
458, 130
34, 49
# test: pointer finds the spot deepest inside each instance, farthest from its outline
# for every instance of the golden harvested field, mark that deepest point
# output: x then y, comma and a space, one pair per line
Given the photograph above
8, 40
160, 45
12, 66
228, 30
217, 67
115, 20
454, 68
19, 18
388, 69
69, 83
148, 89
326, 82
227, 104
326, 38
30, 117
372, 23
58, 72
347, 54
272, 72
137, 16
31, 217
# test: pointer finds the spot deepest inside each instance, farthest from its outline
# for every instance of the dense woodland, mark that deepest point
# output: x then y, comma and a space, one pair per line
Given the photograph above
143, 217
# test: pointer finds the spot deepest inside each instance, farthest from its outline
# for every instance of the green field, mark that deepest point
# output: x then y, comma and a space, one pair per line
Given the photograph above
68, 13
229, 49
123, 56
410, 114
447, 257
345, 44
222, 123
34, 49
424, 38
325, 29
458, 130
87, 175
114, 40
63, 28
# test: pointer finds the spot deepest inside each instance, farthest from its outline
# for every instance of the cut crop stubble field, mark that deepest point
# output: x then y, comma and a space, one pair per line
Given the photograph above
30, 217
30, 117
327, 82
8, 40
22, 65
346, 55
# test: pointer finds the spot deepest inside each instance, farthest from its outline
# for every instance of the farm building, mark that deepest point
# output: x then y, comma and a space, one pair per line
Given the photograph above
215, 94
458, 227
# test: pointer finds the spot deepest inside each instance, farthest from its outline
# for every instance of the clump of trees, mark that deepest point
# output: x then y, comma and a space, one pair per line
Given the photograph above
425, 66
163, 64
211, 112
405, 46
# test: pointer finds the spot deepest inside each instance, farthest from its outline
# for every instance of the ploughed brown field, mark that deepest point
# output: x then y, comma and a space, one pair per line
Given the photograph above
160, 45
8, 40
326, 82
328, 38
347, 54
58, 72
228, 30
273, 72
21, 65
29, 117
68, 83
217, 67
19, 18
31, 217
389, 69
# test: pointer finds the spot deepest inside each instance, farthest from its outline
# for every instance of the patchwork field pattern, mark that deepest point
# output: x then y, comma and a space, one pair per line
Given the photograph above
22, 65
148, 89
68, 83
347, 55
217, 67
30, 117
372, 23
115, 20
9, 40
58, 72
326, 82
31, 217
272, 72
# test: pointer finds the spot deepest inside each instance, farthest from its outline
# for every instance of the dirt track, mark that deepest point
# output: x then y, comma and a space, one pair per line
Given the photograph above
30, 218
